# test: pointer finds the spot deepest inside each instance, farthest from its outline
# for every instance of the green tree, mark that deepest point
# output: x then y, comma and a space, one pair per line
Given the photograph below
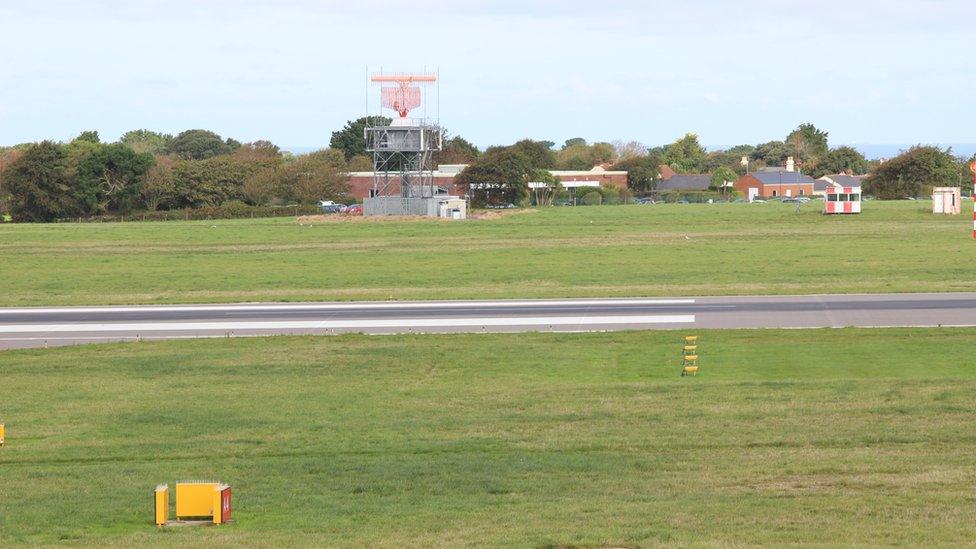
362, 163
499, 176
198, 145
585, 157
544, 194
110, 178
262, 152
158, 187
351, 138
37, 184
305, 179
145, 141
721, 176
686, 155
741, 150
809, 146
538, 154
316, 176
575, 157
912, 173
723, 159
643, 172
8, 156
772, 153
210, 182
574, 142
842, 160
90, 136
456, 150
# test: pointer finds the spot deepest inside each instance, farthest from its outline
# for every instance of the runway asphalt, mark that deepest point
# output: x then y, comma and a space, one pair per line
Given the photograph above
50, 326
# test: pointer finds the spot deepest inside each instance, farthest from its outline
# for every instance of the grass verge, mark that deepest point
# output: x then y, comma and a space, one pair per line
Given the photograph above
846, 436
620, 251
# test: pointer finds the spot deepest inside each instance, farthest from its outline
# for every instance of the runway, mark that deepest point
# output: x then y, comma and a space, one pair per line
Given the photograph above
51, 326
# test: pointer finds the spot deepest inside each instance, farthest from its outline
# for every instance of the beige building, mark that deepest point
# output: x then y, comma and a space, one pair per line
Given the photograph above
945, 200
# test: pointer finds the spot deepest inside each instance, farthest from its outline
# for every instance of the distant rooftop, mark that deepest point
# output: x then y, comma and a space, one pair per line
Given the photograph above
780, 175
685, 182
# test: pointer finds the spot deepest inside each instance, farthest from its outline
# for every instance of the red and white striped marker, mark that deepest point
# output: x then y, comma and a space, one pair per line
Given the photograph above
843, 207
972, 168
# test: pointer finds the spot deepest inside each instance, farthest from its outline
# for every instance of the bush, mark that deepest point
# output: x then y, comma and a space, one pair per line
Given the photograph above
693, 197
233, 209
591, 198
909, 173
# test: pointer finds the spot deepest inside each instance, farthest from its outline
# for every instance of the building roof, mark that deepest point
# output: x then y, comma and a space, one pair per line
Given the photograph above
685, 182
782, 177
666, 171
436, 174
841, 180
597, 170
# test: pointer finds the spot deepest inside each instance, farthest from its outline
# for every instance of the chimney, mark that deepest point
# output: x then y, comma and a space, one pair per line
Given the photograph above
790, 164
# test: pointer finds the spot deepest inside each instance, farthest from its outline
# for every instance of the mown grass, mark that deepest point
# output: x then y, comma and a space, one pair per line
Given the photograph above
559, 252
786, 437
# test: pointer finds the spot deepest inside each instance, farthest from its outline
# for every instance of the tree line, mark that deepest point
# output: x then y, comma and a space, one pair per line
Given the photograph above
502, 173
149, 171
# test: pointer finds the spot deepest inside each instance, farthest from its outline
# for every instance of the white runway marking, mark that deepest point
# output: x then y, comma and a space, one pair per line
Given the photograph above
346, 324
351, 305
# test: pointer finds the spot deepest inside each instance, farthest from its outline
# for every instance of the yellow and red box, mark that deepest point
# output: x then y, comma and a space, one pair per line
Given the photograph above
198, 500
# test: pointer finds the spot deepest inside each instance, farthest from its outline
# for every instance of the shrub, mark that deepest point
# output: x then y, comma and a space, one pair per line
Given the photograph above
591, 198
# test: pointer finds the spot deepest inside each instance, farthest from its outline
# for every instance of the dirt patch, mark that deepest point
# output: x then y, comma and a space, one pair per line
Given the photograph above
473, 214
339, 218
498, 214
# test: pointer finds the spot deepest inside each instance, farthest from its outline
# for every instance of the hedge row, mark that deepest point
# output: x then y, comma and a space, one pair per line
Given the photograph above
229, 210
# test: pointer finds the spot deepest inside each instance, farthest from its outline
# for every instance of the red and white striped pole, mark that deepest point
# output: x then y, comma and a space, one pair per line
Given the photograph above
972, 168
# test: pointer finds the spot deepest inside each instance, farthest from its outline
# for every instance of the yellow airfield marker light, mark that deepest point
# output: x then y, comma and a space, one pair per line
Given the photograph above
689, 356
161, 504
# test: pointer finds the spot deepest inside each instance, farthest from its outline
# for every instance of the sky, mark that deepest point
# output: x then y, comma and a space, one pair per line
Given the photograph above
293, 71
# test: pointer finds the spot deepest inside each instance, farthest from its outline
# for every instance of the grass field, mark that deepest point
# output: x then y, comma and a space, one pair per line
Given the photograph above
560, 252
798, 436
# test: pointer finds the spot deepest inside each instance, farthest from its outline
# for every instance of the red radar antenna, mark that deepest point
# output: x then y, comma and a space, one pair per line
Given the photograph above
398, 93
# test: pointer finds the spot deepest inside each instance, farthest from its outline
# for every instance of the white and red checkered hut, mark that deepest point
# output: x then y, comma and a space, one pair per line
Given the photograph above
842, 200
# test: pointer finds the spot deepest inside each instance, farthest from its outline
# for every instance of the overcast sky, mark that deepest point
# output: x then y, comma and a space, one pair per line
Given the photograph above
292, 71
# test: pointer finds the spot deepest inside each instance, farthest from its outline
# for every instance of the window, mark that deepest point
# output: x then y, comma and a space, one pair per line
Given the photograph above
774, 193
842, 198
801, 192
831, 198
855, 198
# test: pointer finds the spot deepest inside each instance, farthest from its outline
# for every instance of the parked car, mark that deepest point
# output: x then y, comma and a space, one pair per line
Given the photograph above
331, 208
562, 203
355, 209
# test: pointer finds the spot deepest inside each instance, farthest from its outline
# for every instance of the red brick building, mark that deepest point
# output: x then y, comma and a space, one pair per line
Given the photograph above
774, 182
